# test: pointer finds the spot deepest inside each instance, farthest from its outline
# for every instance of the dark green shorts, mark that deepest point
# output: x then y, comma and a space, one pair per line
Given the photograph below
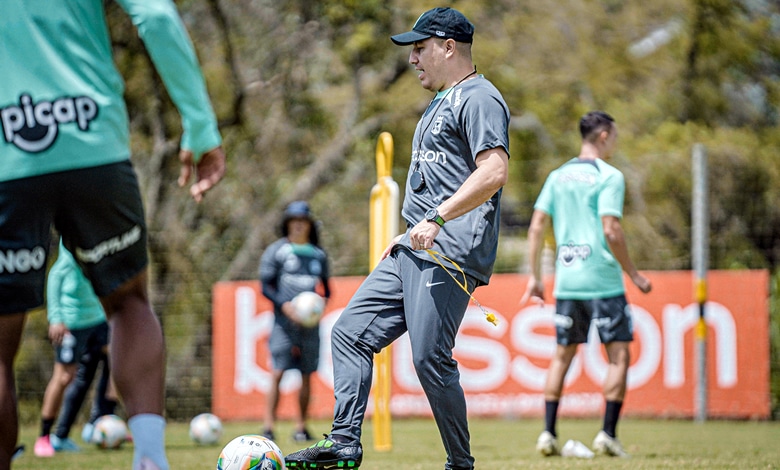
294, 347
97, 211
610, 316
90, 340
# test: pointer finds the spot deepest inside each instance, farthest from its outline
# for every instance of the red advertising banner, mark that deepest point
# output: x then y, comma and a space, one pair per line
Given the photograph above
503, 367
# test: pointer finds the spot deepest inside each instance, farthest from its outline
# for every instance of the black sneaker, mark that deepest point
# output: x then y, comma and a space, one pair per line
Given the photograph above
302, 436
327, 454
268, 434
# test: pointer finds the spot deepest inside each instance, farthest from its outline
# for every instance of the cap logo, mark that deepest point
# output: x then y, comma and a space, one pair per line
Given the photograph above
441, 33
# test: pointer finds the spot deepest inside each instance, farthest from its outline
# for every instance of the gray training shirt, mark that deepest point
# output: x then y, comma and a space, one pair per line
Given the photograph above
471, 118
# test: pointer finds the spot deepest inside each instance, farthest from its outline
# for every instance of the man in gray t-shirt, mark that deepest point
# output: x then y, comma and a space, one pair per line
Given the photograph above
459, 165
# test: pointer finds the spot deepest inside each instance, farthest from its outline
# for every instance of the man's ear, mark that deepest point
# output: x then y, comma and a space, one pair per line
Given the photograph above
449, 45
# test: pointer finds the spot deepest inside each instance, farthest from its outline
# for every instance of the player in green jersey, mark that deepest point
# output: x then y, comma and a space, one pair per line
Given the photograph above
65, 161
584, 199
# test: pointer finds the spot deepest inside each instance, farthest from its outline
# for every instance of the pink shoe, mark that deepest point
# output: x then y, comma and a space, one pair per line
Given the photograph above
43, 447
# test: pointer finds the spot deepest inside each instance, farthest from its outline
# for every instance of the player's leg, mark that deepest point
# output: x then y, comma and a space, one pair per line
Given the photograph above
547, 442
138, 351
310, 358
137, 347
556, 373
107, 236
25, 236
285, 355
571, 329
372, 320
72, 396
616, 332
11, 327
606, 441
76, 392
613, 319
105, 394
62, 376
272, 404
435, 306
105, 399
619, 358
301, 434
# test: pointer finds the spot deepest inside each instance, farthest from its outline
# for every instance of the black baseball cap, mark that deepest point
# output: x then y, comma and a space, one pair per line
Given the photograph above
297, 210
443, 23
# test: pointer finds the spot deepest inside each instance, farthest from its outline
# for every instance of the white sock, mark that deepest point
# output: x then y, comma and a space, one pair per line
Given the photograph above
148, 432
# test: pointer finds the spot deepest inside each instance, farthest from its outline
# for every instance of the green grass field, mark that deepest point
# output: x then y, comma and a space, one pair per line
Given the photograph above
496, 443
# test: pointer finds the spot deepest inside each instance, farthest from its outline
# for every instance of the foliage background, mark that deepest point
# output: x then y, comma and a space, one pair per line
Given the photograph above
302, 90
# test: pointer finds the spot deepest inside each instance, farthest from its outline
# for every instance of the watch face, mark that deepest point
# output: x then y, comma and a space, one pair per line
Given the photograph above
431, 215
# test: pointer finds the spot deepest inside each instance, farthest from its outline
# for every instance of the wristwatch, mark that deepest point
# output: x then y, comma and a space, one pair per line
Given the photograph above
432, 215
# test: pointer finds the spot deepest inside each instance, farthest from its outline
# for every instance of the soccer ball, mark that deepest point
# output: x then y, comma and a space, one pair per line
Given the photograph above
308, 308
205, 429
110, 432
251, 452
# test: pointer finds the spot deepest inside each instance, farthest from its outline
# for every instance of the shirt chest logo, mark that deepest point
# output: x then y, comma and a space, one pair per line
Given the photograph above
568, 254
33, 127
437, 125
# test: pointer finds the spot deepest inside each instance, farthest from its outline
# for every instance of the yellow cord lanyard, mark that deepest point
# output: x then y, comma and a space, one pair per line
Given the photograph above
489, 316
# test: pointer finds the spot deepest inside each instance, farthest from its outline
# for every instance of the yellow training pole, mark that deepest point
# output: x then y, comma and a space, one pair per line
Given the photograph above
383, 226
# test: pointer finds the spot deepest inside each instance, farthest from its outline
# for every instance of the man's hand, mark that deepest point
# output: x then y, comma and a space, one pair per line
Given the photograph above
57, 331
423, 234
642, 283
534, 292
288, 310
208, 171
389, 248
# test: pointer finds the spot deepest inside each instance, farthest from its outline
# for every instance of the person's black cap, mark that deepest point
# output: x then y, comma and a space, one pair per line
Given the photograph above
297, 210
443, 23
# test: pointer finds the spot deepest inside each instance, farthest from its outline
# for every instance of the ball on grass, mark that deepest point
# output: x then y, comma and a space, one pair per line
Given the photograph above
251, 452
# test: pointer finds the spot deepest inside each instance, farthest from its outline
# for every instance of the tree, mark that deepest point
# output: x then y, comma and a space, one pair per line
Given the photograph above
302, 89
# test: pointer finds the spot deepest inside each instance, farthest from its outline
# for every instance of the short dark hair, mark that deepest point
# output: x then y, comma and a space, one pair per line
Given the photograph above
594, 123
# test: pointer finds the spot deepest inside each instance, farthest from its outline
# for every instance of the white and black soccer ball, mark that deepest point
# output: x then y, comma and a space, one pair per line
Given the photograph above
205, 429
251, 452
308, 307
110, 432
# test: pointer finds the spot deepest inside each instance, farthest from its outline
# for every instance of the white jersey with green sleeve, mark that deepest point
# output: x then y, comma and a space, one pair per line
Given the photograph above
61, 96
577, 195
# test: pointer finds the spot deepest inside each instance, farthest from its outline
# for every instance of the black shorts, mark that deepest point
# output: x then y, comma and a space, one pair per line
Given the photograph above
294, 347
610, 316
97, 211
91, 340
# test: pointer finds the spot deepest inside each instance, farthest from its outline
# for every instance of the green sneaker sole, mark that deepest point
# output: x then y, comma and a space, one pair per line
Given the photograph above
349, 464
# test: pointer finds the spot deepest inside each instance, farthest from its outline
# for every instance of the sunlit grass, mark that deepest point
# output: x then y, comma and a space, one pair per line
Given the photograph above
496, 443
